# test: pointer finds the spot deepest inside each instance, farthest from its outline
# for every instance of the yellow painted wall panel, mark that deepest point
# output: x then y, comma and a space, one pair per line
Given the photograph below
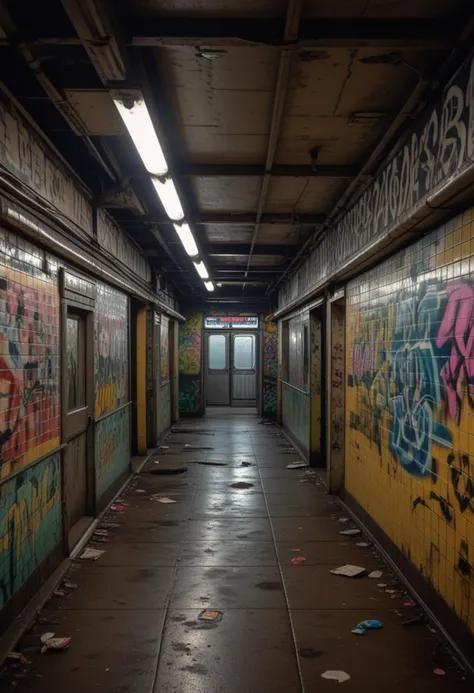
409, 439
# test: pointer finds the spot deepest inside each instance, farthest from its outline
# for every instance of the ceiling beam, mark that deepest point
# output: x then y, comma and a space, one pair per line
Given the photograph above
423, 34
290, 34
281, 170
216, 249
248, 218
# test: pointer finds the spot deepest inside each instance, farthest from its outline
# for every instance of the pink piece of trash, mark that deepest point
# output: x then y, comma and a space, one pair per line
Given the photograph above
439, 672
298, 560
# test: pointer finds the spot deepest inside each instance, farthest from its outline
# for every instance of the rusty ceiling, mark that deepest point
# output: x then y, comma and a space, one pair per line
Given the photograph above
274, 114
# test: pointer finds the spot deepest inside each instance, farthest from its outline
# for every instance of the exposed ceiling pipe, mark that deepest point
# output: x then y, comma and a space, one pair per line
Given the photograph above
293, 15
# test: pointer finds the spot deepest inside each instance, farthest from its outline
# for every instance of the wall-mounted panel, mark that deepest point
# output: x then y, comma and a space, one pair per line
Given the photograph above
409, 408
30, 523
190, 354
112, 448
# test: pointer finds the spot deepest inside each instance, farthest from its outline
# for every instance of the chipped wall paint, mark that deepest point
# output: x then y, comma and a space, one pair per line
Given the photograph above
165, 407
316, 394
29, 355
26, 155
189, 356
270, 367
409, 405
439, 145
112, 448
30, 523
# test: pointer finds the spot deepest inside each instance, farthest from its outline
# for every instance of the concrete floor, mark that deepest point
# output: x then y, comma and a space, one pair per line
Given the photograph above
134, 616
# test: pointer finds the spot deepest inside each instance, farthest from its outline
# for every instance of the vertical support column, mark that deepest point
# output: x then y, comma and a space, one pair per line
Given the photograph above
174, 360
335, 394
141, 381
316, 379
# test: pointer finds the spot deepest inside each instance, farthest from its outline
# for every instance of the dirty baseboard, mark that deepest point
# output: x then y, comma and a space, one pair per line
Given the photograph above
459, 639
21, 624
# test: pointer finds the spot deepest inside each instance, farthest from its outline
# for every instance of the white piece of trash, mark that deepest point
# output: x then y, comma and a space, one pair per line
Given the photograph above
363, 544
336, 675
375, 574
348, 570
350, 532
164, 499
91, 554
296, 465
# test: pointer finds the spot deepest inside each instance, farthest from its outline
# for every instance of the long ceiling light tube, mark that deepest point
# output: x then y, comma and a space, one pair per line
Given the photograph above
136, 118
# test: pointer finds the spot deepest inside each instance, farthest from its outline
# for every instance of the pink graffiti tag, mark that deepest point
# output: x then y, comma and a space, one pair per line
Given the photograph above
457, 327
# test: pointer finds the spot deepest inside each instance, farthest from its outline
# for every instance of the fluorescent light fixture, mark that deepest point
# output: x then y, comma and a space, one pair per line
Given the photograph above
169, 198
187, 239
136, 118
209, 286
201, 269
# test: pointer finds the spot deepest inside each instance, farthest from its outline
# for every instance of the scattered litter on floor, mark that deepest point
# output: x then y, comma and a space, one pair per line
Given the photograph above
381, 584
70, 585
375, 574
363, 544
111, 525
211, 615
162, 499
296, 550
344, 519
390, 591
350, 532
118, 507
370, 624
245, 464
296, 465
394, 596
348, 570
18, 657
304, 481
140, 490
298, 560
101, 532
59, 593
164, 447
214, 464
439, 672
50, 643
91, 554
409, 604
336, 675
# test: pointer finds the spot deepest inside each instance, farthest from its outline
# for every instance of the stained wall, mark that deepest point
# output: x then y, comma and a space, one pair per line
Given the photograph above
409, 437
270, 367
190, 357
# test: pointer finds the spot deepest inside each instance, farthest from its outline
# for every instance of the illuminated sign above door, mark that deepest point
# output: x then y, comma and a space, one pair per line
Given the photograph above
235, 322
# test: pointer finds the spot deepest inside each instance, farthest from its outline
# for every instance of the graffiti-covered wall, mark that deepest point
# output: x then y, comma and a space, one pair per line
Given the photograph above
189, 354
30, 523
112, 448
112, 431
270, 367
29, 354
111, 345
410, 405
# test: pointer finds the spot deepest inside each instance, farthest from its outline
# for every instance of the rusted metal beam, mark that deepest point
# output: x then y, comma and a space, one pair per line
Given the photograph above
94, 24
423, 34
282, 170
232, 249
293, 15
55, 94
231, 219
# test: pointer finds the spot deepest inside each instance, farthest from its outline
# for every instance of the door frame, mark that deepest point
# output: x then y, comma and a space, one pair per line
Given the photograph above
78, 294
256, 333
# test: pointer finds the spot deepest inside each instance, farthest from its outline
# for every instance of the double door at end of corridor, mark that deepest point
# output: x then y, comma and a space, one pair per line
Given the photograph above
231, 369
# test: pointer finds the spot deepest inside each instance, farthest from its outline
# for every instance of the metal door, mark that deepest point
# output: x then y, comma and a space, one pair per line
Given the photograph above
77, 376
244, 369
217, 369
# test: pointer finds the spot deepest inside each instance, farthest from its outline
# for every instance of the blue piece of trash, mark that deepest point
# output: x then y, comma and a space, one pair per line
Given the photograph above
370, 624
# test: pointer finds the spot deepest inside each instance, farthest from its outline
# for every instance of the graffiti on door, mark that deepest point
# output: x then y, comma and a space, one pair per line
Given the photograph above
270, 367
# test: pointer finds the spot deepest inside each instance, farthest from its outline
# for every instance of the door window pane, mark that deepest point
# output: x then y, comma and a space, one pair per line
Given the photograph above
244, 352
217, 352
75, 361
